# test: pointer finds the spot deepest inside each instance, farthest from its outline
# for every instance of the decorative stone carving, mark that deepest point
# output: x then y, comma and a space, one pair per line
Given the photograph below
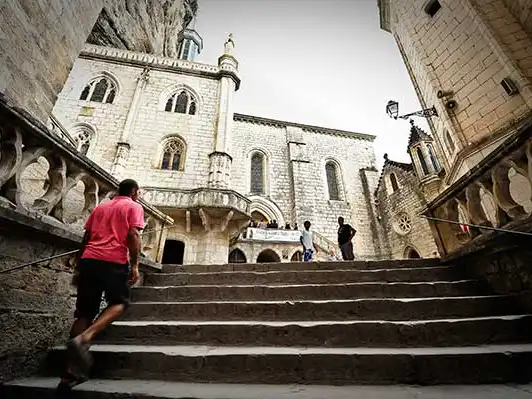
229, 45
220, 170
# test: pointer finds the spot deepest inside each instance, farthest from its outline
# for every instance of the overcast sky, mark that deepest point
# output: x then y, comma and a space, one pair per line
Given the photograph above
317, 62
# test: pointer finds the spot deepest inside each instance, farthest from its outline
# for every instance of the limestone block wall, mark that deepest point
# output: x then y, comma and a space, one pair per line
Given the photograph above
152, 126
398, 214
465, 50
300, 189
38, 46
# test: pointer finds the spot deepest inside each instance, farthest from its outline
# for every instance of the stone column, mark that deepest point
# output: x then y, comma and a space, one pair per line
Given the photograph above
123, 146
220, 160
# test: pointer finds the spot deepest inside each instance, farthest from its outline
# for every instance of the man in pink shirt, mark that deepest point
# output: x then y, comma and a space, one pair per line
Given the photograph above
108, 262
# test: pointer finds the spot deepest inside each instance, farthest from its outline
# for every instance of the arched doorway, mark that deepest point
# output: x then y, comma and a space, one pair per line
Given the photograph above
174, 252
237, 256
268, 256
411, 253
297, 257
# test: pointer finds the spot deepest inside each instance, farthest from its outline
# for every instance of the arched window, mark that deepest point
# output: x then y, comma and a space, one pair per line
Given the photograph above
331, 171
83, 137
101, 90
449, 141
181, 102
173, 154
257, 185
393, 182
422, 161
432, 157
237, 256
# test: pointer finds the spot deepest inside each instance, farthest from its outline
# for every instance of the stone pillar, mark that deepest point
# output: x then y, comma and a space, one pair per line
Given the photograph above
123, 147
220, 160
300, 172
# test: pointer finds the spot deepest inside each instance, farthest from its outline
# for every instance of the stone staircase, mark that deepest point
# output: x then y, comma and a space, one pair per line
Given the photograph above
340, 323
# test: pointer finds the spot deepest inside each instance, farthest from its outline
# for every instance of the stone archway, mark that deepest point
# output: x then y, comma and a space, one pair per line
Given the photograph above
411, 253
237, 256
297, 257
174, 252
268, 256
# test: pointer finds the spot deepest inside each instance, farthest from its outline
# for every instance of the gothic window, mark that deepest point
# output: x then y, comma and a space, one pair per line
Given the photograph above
393, 182
422, 162
331, 171
257, 173
402, 223
432, 157
83, 140
173, 155
182, 103
101, 90
449, 141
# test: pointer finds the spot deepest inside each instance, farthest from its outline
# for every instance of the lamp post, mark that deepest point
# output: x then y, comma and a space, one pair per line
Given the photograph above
392, 109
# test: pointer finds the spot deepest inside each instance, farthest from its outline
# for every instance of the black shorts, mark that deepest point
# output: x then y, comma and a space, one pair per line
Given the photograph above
97, 277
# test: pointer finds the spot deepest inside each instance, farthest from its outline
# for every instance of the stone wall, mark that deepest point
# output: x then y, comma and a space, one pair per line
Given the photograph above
38, 45
399, 214
465, 50
36, 303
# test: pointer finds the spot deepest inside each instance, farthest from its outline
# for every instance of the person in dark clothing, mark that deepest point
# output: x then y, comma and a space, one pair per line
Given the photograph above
345, 235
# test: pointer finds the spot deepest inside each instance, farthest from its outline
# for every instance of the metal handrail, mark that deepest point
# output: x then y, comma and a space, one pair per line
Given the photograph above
36, 262
477, 226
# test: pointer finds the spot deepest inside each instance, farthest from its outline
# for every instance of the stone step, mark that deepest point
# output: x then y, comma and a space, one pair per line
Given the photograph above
354, 309
449, 332
266, 267
440, 273
43, 388
284, 365
309, 291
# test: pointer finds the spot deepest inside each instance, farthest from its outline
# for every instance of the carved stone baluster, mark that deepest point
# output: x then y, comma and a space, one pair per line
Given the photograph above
92, 199
501, 217
501, 192
57, 188
13, 187
10, 153
71, 182
474, 206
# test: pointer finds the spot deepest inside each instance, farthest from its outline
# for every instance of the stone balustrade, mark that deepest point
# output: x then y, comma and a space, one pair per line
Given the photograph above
60, 131
495, 193
42, 174
197, 198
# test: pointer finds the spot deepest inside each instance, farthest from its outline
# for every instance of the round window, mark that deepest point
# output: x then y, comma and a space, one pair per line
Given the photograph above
402, 224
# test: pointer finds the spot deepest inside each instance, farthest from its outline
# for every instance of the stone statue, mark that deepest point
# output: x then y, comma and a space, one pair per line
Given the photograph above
229, 45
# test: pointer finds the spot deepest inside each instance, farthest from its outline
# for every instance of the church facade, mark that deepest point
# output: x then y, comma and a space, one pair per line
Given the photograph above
170, 123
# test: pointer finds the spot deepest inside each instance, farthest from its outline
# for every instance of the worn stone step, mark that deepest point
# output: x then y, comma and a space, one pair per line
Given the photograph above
42, 388
266, 267
380, 333
438, 273
309, 291
284, 365
353, 309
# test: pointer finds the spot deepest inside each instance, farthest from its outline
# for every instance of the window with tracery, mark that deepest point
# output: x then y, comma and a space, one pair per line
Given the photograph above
101, 90
257, 173
173, 155
402, 224
182, 103
331, 171
83, 140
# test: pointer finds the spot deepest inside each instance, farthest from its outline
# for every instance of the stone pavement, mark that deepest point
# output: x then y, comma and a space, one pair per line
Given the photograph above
173, 390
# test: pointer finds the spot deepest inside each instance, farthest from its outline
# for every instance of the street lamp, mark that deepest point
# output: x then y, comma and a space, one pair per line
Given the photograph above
392, 109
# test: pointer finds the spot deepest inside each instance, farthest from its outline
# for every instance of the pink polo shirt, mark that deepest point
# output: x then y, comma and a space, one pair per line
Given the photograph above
108, 226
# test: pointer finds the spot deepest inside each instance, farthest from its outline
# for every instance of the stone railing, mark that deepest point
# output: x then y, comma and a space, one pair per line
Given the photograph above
495, 193
197, 198
60, 131
325, 244
44, 177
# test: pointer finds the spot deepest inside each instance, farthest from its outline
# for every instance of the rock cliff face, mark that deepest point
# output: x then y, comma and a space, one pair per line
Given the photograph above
148, 26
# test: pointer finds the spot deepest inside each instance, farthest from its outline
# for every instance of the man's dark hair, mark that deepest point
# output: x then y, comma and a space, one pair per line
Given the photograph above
126, 187
307, 222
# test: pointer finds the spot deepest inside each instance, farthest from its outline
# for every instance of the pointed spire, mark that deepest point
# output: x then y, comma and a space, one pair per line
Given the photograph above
417, 135
229, 45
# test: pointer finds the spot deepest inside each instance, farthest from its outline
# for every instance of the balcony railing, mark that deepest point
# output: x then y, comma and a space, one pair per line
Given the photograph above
42, 175
494, 193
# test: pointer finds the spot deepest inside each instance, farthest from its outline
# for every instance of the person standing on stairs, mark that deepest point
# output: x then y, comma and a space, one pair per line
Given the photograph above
307, 240
107, 262
345, 236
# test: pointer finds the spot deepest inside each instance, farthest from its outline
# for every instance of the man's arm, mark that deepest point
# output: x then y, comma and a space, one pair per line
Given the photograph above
301, 241
133, 245
353, 232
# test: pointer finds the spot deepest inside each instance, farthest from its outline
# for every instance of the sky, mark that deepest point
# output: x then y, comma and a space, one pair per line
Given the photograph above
317, 62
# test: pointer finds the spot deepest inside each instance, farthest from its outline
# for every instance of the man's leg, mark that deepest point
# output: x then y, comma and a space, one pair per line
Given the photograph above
350, 254
109, 315
344, 251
